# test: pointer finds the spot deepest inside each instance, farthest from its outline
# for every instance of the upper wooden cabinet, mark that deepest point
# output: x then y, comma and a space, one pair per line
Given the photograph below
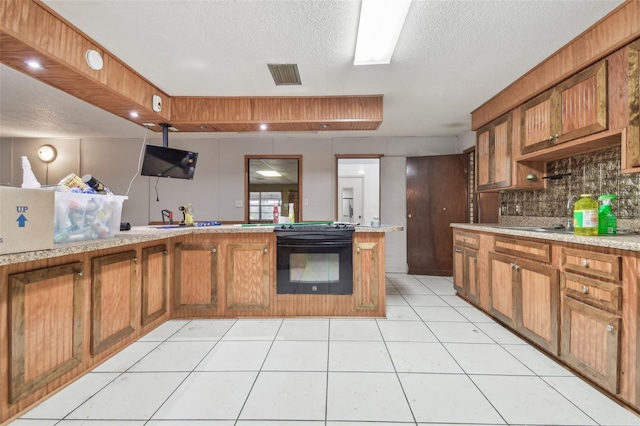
573, 109
494, 154
633, 134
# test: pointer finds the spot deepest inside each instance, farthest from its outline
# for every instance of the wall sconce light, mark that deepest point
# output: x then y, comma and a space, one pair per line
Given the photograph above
47, 153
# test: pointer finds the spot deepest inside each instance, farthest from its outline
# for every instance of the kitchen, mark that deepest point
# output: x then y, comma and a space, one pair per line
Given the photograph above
229, 154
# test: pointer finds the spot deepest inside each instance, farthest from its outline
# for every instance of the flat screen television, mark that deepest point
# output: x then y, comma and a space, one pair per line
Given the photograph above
160, 161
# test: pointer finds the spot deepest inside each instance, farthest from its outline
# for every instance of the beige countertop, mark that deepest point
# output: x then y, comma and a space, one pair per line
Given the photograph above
142, 234
629, 242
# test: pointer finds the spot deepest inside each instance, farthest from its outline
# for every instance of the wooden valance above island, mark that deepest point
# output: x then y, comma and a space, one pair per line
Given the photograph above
66, 310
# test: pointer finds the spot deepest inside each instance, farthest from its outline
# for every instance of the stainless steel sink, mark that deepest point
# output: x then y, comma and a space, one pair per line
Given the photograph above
540, 229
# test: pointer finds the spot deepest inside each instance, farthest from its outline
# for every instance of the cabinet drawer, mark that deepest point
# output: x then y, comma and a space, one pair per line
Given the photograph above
592, 292
525, 249
589, 263
466, 239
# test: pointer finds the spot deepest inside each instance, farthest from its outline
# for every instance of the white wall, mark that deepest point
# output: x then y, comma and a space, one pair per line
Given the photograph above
219, 177
466, 140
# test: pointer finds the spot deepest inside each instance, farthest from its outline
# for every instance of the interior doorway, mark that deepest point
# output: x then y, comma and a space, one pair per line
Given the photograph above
357, 189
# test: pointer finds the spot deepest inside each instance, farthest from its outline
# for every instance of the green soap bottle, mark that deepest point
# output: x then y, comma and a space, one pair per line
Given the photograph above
607, 222
585, 216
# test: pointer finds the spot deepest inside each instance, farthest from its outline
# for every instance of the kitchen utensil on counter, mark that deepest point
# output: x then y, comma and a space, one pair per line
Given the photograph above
167, 216
187, 215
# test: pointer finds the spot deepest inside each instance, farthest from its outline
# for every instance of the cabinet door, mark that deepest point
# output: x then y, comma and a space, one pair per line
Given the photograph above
538, 295
583, 103
501, 163
502, 296
368, 273
46, 326
591, 342
248, 272
154, 283
113, 301
484, 156
471, 275
633, 131
458, 271
196, 276
538, 121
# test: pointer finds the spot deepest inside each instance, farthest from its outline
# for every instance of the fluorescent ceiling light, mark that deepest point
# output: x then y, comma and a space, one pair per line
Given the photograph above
380, 24
269, 173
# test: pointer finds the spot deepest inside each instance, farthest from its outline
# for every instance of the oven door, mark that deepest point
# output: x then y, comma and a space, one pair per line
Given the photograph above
314, 265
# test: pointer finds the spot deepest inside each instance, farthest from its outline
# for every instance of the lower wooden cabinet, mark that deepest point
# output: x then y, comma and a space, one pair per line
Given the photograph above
196, 276
465, 275
525, 296
155, 282
249, 266
113, 299
46, 327
366, 273
591, 342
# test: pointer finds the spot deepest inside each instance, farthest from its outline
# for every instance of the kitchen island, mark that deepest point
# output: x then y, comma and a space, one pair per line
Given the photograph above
66, 310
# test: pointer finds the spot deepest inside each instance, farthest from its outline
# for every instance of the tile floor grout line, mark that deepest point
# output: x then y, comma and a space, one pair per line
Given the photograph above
259, 371
567, 399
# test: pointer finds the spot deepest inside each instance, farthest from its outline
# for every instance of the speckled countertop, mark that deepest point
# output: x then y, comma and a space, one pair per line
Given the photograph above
629, 242
141, 234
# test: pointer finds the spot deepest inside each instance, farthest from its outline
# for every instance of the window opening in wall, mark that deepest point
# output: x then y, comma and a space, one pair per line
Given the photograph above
261, 205
358, 189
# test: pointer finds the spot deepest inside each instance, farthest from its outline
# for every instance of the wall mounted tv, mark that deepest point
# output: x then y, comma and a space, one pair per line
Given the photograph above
160, 161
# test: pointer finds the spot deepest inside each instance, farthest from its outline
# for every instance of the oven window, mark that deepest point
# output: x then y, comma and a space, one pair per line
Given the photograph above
314, 267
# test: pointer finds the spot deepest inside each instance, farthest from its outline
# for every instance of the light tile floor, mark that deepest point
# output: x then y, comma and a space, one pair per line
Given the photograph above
435, 360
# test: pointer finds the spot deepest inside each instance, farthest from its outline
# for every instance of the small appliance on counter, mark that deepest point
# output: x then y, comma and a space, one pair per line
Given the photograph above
187, 215
167, 216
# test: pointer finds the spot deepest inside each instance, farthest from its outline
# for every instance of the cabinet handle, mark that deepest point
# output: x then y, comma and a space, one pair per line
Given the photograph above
81, 273
135, 259
610, 328
214, 250
556, 136
585, 263
514, 266
458, 250
585, 289
517, 267
266, 250
165, 252
551, 137
357, 249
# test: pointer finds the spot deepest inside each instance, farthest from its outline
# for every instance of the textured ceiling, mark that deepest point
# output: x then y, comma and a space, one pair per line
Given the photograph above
451, 57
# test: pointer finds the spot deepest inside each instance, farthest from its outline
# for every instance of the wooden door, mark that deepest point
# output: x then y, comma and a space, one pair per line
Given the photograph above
247, 276
471, 275
196, 279
538, 122
502, 296
583, 103
484, 156
436, 197
538, 303
458, 271
591, 342
501, 161
155, 283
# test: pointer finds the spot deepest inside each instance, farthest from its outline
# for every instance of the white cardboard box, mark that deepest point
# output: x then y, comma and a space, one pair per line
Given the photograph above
26, 219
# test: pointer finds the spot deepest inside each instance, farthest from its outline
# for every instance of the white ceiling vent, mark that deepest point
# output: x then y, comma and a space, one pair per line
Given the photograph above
285, 74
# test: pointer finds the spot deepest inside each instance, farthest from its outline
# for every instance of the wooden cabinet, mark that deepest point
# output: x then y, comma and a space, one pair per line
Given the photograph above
46, 326
591, 342
573, 109
524, 292
367, 276
114, 315
248, 270
494, 154
591, 315
465, 265
195, 278
633, 131
155, 282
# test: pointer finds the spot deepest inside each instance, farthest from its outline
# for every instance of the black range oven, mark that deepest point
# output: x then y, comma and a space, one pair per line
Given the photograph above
314, 259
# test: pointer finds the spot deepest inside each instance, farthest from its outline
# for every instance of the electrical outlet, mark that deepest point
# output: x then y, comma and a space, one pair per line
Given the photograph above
238, 203
306, 201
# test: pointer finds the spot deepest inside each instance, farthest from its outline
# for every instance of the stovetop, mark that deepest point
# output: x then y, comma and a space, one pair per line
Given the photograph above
312, 228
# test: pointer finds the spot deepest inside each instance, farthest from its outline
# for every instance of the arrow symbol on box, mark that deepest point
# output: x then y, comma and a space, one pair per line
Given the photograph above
21, 221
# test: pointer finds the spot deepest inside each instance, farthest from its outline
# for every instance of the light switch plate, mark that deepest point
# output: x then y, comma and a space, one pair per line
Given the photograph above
238, 203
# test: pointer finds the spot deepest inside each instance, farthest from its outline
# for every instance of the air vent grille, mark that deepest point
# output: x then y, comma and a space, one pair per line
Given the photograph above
285, 74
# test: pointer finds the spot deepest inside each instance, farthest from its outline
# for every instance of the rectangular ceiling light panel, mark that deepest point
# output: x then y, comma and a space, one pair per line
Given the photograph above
380, 25
285, 74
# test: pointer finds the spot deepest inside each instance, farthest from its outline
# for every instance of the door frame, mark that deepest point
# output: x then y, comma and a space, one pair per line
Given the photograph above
336, 195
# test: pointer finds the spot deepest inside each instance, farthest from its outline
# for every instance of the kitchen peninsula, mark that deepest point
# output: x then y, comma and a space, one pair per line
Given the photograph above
64, 311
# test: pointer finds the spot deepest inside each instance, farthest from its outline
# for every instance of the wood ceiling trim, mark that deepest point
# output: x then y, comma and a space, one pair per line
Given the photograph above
614, 31
29, 29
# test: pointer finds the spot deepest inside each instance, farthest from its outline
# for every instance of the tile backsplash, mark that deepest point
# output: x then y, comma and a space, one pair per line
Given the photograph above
595, 173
